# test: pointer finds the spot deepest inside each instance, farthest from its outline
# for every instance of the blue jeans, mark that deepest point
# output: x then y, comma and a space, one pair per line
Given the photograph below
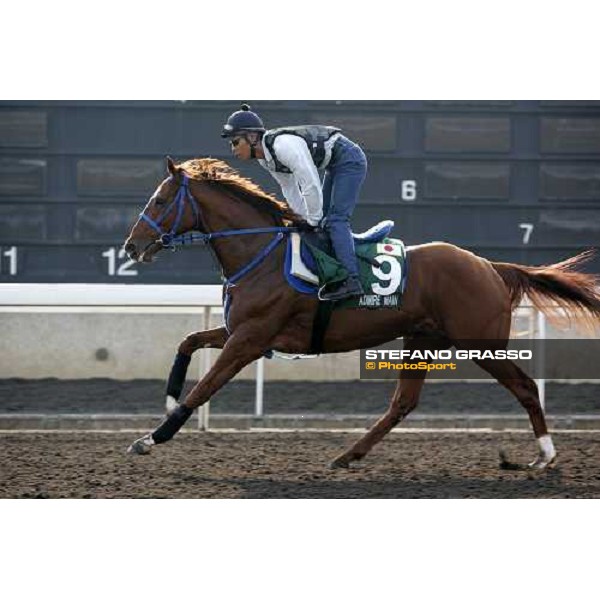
344, 177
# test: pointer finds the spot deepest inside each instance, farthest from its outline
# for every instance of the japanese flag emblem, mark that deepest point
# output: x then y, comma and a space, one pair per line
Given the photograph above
391, 249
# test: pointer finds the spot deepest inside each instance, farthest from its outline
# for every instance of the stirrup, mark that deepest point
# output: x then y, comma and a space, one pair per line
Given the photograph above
321, 291
359, 291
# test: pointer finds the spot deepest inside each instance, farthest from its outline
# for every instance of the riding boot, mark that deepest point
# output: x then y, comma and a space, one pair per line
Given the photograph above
348, 289
343, 246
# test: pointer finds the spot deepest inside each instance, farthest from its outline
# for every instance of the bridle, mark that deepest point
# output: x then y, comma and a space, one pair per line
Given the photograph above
170, 239
183, 195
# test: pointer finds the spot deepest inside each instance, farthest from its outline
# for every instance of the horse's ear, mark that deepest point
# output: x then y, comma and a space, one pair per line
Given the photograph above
173, 170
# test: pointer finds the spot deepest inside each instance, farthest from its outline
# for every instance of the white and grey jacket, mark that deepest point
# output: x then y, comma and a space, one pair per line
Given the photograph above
300, 182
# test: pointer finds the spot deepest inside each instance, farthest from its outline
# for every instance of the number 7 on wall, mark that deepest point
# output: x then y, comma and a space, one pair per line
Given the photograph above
527, 230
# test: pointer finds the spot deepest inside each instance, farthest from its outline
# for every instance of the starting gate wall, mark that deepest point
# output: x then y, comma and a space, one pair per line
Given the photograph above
515, 181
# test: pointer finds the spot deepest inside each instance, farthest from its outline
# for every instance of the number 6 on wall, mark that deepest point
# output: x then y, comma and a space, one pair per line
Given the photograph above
408, 191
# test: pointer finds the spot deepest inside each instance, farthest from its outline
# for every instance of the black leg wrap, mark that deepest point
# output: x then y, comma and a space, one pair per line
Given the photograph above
172, 424
177, 375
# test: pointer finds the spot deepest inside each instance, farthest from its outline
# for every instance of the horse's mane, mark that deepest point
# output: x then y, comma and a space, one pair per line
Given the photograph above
219, 173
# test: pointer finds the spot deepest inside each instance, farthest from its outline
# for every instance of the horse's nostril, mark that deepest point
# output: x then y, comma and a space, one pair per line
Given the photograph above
131, 250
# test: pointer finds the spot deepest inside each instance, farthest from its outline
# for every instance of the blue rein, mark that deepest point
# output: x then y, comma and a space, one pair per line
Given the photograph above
169, 240
173, 240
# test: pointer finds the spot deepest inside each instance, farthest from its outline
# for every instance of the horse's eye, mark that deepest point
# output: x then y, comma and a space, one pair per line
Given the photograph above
160, 201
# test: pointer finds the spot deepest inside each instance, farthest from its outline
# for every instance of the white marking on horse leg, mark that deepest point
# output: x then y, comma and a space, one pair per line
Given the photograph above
546, 453
546, 447
170, 404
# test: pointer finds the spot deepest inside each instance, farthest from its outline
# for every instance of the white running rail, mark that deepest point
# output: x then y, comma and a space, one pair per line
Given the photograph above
119, 298
123, 298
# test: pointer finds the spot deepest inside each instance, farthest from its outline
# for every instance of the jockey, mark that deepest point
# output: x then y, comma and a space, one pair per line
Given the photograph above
293, 156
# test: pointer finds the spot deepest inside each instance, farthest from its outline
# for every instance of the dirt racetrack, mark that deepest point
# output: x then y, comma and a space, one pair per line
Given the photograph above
292, 465
250, 464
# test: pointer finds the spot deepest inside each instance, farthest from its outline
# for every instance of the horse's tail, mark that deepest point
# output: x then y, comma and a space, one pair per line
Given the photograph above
573, 291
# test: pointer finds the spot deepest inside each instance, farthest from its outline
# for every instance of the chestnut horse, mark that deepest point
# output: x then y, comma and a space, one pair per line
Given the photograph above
451, 295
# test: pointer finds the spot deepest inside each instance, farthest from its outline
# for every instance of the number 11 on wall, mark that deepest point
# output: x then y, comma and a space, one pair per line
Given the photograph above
118, 265
11, 255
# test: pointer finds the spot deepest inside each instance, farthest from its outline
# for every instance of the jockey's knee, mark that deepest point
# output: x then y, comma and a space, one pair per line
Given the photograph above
334, 221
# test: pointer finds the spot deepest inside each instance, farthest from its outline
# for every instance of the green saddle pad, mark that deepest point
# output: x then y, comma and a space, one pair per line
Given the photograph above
382, 268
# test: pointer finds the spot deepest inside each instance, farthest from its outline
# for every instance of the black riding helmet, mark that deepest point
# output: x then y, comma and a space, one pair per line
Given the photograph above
242, 121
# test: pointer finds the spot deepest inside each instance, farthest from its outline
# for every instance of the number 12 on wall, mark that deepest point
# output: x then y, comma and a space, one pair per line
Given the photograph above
118, 264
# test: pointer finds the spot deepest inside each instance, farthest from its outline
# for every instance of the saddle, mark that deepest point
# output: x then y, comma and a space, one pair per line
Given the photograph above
312, 255
310, 264
319, 238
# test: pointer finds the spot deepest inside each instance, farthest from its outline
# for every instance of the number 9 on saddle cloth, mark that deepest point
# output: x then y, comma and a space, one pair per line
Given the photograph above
310, 266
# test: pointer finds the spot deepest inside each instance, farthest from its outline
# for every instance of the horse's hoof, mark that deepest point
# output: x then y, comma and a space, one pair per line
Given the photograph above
507, 465
141, 446
542, 463
339, 463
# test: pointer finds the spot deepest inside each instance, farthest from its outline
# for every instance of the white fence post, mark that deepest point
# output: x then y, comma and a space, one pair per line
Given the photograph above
260, 379
540, 358
536, 332
205, 364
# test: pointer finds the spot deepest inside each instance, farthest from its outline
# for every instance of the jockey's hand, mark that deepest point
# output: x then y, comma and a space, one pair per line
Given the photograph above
305, 227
